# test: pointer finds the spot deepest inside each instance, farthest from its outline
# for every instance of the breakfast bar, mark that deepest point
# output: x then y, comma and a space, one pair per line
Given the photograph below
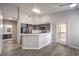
36, 41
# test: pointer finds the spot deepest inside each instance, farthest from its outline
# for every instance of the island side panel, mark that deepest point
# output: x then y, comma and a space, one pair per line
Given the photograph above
30, 41
45, 39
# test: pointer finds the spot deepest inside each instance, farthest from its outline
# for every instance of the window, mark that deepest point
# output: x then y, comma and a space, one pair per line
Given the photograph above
62, 32
7, 29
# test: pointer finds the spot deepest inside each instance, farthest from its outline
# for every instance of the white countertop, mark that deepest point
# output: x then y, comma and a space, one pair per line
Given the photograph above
36, 34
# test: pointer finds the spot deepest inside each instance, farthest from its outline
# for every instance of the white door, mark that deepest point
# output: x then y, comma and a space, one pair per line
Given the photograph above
62, 33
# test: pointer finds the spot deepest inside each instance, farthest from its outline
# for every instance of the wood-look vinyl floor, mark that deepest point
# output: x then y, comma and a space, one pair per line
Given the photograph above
11, 48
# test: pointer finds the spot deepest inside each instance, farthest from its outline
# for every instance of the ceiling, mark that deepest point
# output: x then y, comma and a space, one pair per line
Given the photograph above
46, 8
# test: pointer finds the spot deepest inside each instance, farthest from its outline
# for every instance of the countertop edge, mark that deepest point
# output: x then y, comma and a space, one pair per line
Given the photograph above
37, 34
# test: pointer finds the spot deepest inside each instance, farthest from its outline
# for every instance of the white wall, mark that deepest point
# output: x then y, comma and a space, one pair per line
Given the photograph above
72, 17
9, 11
53, 28
1, 31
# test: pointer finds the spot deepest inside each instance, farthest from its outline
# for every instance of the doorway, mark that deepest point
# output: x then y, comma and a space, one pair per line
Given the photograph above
62, 33
9, 33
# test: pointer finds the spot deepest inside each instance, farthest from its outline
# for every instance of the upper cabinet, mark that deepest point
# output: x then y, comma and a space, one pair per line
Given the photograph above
41, 19
27, 19
45, 19
33, 19
36, 20
9, 11
24, 18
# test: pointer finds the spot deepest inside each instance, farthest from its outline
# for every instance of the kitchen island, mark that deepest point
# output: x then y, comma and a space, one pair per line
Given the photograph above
36, 41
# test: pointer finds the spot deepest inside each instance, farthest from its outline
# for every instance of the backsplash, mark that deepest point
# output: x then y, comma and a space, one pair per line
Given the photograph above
29, 28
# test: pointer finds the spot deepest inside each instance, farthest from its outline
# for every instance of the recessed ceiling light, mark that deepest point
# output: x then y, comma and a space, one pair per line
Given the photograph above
36, 10
73, 5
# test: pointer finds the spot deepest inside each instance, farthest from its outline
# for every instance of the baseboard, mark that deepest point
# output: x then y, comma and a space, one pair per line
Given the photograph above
18, 41
38, 47
70, 46
44, 45
30, 48
73, 47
